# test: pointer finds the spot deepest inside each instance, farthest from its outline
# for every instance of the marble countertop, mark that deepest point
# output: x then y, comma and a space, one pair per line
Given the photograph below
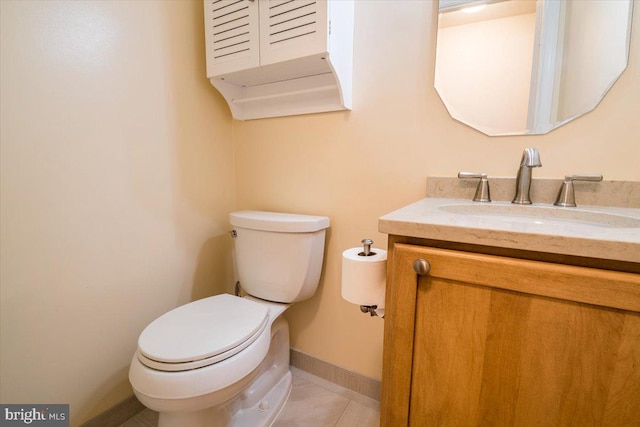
557, 234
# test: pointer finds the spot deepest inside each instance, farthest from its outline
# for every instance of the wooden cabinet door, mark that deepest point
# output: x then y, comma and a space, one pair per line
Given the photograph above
494, 341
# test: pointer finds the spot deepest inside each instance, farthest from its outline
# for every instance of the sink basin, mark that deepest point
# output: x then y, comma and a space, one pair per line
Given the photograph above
543, 214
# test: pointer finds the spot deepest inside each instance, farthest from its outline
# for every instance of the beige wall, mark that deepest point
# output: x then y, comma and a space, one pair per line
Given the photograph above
117, 179
118, 175
355, 166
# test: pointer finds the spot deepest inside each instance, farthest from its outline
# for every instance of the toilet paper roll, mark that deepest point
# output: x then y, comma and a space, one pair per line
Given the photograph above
364, 277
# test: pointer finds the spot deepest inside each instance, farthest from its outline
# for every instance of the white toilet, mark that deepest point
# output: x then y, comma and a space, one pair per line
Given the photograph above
224, 360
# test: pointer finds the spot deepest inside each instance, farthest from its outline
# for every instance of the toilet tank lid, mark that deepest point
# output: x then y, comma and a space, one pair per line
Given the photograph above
278, 222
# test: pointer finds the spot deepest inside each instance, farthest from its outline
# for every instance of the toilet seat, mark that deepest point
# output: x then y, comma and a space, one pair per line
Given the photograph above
201, 333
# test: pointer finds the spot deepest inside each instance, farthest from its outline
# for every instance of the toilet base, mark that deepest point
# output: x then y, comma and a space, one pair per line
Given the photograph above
262, 414
257, 405
265, 412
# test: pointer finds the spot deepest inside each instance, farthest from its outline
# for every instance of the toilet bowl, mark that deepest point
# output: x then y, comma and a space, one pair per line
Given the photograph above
224, 360
202, 395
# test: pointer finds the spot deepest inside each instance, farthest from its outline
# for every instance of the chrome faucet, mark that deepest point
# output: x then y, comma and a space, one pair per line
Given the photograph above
530, 159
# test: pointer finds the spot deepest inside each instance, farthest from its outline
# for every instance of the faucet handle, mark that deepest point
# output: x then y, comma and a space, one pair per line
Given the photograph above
566, 196
482, 191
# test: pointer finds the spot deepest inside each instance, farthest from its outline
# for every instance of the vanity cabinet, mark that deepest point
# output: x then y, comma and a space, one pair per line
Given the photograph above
486, 339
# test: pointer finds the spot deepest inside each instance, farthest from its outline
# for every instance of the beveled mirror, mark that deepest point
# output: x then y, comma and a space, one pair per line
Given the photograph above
526, 67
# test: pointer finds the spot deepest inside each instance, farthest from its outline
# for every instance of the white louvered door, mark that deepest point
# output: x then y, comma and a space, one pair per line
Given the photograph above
291, 29
272, 58
231, 28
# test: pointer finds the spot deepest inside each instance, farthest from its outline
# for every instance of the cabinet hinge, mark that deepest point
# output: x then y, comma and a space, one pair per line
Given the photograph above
329, 27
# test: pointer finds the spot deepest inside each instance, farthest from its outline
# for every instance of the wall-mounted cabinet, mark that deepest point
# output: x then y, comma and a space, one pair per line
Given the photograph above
273, 58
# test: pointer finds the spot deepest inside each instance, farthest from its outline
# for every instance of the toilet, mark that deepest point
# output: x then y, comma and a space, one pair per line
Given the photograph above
224, 360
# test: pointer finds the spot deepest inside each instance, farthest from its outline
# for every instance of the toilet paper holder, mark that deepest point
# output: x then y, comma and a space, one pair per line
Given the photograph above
371, 309
366, 251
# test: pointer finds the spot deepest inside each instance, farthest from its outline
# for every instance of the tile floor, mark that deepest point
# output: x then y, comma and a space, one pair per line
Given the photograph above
313, 402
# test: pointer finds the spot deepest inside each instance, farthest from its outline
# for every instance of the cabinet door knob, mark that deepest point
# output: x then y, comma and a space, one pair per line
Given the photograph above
421, 266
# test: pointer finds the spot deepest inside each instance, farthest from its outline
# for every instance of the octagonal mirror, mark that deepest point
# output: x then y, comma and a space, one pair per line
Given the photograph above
519, 67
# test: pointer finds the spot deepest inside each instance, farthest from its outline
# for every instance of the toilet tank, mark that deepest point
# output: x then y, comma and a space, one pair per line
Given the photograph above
278, 256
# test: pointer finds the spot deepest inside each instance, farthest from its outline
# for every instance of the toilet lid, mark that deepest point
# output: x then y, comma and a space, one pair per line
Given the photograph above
202, 330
